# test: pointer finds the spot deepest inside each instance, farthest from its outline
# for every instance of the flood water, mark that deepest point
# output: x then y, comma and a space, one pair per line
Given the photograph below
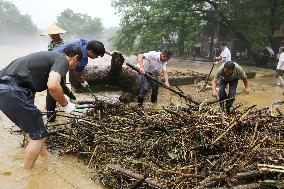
66, 172
56, 172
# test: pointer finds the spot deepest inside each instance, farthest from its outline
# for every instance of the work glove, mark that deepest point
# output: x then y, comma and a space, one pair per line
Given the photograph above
85, 84
69, 108
216, 63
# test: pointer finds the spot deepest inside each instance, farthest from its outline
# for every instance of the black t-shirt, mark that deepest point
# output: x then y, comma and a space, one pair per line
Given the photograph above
33, 70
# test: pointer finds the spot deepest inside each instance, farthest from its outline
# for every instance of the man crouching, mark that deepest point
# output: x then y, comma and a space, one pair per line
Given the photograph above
19, 82
229, 73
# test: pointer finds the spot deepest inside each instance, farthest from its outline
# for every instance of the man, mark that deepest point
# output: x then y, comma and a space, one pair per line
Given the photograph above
90, 49
54, 32
229, 73
280, 68
151, 63
225, 55
25, 76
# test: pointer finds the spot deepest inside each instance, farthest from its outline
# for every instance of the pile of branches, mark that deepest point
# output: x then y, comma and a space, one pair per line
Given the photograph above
189, 147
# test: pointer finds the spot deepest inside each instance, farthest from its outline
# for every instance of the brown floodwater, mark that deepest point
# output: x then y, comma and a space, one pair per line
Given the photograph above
62, 172
67, 171
262, 90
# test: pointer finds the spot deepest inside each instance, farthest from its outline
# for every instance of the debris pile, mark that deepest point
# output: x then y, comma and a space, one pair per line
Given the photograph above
189, 147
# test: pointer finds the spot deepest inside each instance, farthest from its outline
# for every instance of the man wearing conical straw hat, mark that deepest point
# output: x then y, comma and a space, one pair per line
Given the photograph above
54, 32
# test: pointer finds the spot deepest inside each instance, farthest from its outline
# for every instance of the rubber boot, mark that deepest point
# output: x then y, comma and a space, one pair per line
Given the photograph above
154, 98
50, 107
140, 101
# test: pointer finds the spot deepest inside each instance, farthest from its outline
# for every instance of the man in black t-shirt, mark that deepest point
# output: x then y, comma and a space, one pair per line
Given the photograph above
25, 76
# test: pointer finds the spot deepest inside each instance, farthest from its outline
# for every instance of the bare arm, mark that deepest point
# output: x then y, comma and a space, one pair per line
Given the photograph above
166, 78
141, 63
220, 61
78, 76
214, 85
246, 89
55, 88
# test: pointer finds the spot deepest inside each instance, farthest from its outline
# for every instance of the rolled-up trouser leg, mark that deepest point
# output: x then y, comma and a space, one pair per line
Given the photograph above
17, 104
232, 93
222, 92
50, 107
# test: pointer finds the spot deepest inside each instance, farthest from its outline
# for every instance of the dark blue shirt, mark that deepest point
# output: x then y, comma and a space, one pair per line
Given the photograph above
83, 44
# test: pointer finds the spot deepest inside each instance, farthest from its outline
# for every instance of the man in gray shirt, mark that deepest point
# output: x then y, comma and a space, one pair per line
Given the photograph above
25, 76
152, 63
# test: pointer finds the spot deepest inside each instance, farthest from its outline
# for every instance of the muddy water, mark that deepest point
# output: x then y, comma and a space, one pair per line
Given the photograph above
67, 172
262, 91
62, 172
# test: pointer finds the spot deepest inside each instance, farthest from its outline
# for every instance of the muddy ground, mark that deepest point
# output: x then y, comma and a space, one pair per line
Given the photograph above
66, 171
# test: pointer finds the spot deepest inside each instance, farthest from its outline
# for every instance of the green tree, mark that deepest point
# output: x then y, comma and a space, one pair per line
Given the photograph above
80, 25
152, 25
253, 22
147, 25
12, 21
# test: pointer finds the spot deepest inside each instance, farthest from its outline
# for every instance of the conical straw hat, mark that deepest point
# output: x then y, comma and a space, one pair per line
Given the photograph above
53, 29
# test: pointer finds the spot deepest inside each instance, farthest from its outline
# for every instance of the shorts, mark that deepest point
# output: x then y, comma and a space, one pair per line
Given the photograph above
17, 103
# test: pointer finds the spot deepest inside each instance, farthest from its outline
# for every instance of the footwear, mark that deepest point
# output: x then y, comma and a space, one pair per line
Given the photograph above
140, 101
154, 98
51, 116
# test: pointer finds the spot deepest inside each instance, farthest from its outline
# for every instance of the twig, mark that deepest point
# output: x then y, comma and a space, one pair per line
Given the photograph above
134, 175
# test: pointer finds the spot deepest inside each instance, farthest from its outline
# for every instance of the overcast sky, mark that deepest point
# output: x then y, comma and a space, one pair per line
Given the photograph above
44, 12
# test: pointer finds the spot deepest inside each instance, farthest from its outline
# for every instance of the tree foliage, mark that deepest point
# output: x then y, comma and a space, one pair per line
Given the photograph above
147, 25
253, 21
80, 25
12, 21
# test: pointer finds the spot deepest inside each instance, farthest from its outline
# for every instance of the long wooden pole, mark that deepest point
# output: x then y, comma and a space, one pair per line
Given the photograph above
186, 97
206, 81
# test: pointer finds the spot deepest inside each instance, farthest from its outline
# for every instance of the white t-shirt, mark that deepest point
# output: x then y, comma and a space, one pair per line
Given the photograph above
152, 62
226, 54
280, 65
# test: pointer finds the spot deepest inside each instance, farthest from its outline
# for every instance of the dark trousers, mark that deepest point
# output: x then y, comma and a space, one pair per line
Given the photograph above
51, 103
146, 84
50, 106
223, 95
17, 103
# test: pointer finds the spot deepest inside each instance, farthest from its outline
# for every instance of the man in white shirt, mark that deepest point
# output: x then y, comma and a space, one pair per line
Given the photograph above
152, 63
225, 55
280, 68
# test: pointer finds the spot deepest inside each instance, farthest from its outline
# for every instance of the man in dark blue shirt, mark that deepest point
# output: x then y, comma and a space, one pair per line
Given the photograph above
90, 49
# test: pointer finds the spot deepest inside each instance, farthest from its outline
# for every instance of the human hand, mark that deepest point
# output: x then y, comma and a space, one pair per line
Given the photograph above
246, 90
69, 108
85, 84
214, 93
167, 84
142, 70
